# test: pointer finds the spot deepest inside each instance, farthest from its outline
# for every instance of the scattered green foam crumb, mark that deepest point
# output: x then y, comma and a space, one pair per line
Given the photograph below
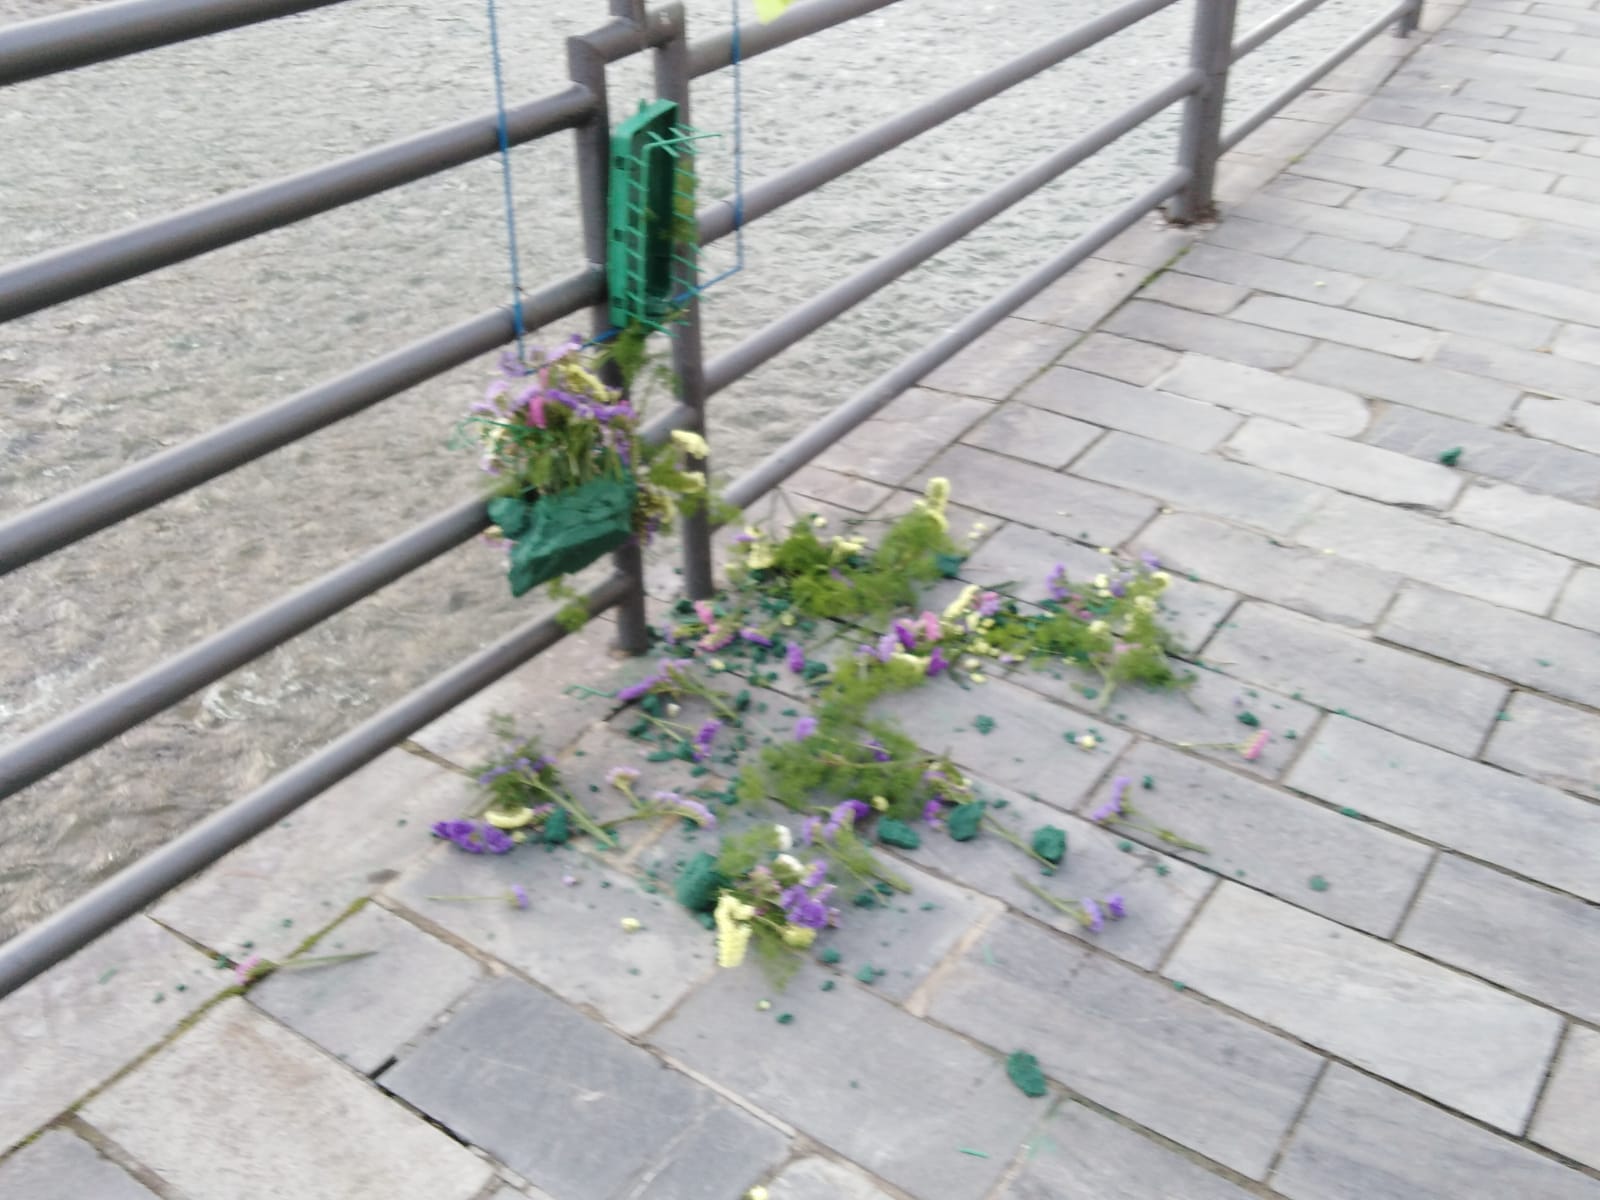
1050, 844
831, 956
785, 1018
868, 973
1451, 456
1349, 812
1023, 1069
973, 1153
1248, 718
827, 985
892, 832
984, 724
1178, 985
964, 821
1148, 783
1161, 868
1318, 883
1125, 847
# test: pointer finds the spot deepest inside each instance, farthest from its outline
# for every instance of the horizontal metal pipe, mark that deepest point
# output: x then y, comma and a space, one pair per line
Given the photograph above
59, 275
1273, 26
800, 322
48, 527
90, 35
1272, 107
800, 450
52, 746
715, 52
716, 220
127, 892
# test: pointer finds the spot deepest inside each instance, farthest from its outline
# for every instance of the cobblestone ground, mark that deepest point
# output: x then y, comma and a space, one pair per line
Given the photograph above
1383, 983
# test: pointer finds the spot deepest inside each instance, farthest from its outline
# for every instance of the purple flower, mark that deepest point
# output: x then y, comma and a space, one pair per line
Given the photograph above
887, 645
808, 830
1150, 560
638, 691
795, 658
622, 777
1091, 910
804, 728
988, 604
1057, 581
519, 895
937, 663
704, 738
846, 815
1119, 586
1113, 805
879, 754
693, 810
818, 873
1116, 907
492, 774
932, 811
756, 636
472, 838
802, 908
902, 631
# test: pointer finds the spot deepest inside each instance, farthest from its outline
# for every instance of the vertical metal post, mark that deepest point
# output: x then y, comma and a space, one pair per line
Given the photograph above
587, 67
688, 355
1200, 144
1409, 19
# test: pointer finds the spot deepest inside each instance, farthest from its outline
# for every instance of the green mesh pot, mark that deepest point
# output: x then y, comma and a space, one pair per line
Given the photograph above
564, 532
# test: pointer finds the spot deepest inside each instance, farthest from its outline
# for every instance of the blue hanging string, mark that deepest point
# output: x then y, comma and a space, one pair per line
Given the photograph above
505, 179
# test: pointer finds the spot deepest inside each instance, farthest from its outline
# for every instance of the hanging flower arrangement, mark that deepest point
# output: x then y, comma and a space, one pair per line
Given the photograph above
573, 477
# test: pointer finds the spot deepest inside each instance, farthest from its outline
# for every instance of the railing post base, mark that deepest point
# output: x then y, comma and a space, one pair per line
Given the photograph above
1409, 20
1200, 145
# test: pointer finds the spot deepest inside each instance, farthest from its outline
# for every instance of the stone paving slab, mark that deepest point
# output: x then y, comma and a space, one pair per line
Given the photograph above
1205, 1079
1082, 1155
919, 1094
1361, 1138
1273, 841
1570, 1111
1427, 700
823, 1179
214, 1111
1553, 743
1483, 812
62, 1166
632, 980
87, 1018
1513, 933
363, 1011
1461, 1042
576, 1109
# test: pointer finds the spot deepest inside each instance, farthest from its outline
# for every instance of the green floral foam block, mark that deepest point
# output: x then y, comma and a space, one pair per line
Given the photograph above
564, 532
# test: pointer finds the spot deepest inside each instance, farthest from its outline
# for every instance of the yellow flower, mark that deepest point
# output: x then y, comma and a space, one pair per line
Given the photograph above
1145, 604
818, 520
1098, 627
502, 818
881, 803
960, 603
975, 677
758, 1192
631, 924
761, 556
763, 1005
787, 618
799, 936
716, 664
1088, 741
970, 664
1163, 578
733, 935
691, 443
980, 647
692, 481
938, 493
1101, 582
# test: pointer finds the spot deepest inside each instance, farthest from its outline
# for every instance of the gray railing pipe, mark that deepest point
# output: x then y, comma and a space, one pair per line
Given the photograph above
130, 890
57, 523
800, 450
1273, 26
1289, 94
59, 275
774, 192
716, 51
52, 746
90, 35
1200, 139
800, 322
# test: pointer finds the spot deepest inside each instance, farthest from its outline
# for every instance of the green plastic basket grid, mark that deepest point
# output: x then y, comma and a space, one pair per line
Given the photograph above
651, 241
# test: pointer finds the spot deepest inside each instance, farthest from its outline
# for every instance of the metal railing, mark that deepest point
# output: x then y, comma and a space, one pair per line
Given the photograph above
51, 45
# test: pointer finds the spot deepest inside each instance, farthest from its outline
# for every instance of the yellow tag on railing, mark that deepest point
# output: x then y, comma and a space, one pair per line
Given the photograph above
771, 10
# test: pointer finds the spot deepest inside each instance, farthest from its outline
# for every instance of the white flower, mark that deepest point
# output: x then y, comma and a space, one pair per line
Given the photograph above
785, 838
789, 863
